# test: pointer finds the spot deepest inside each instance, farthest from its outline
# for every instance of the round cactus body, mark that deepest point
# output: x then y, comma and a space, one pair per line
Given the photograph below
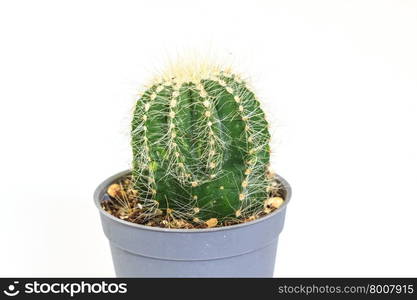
201, 146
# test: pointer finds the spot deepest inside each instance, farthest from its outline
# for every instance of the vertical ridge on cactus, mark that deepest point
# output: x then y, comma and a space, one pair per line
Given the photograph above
201, 146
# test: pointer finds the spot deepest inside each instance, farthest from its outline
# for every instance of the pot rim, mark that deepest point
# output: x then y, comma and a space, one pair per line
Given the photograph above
111, 179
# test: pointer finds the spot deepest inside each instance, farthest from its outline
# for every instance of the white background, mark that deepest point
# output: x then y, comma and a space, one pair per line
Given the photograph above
338, 79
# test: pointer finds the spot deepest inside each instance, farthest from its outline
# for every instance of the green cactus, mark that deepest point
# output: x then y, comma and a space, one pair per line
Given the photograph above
201, 146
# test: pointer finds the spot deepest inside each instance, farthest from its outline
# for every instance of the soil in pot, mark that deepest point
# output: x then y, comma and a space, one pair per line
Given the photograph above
122, 201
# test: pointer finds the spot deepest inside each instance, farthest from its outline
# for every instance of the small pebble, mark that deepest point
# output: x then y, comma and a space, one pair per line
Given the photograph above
211, 222
274, 202
114, 190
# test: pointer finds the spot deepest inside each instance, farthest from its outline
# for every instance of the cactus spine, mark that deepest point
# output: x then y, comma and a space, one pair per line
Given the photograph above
200, 146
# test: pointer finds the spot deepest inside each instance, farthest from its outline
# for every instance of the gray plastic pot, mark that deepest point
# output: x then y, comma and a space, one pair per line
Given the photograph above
243, 250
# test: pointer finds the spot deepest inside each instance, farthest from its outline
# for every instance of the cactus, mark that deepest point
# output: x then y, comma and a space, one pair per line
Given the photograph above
200, 146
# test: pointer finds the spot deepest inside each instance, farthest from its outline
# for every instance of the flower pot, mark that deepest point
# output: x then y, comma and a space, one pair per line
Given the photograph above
243, 250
